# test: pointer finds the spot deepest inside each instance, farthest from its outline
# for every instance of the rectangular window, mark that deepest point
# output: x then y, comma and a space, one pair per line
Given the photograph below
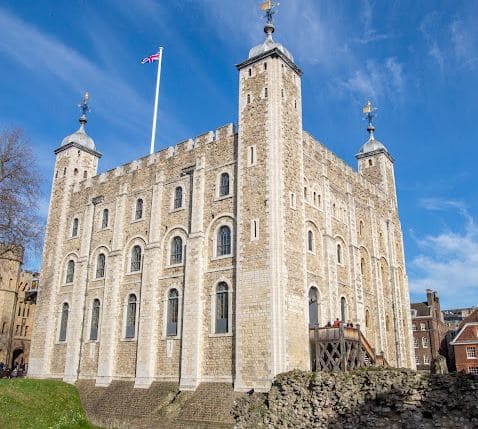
292, 200
426, 360
414, 328
423, 327
26, 331
425, 342
251, 155
265, 93
254, 229
473, 370
415, 341
417, 360
471, 353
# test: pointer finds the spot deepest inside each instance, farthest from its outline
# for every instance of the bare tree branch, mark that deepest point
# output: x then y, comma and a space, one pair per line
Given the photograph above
19, 192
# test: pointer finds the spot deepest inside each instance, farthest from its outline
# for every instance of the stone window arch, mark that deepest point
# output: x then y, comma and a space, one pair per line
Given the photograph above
224, 185
136, 253
172, 313
75, 227
138, 213
222, 308
176, 250
70, 271
95, 319
313, 306
65, 309
100, 266
178, 197
105, 219
131, 310
223, 247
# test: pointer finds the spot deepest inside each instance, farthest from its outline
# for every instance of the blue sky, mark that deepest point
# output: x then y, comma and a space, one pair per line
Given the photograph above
418, 61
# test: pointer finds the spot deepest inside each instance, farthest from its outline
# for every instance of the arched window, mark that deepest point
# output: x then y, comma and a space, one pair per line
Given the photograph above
64, 321
95, 320
310, 241
224, 185
176, 250
74, 228
360, 228
313, 306
100, 266
138, 214
224, 241
222, 308
173, 307
70, 271
105, 219
178, 197
367, 319
315, 198
339, 253
343, 309
131, 317
136, 259
362, 266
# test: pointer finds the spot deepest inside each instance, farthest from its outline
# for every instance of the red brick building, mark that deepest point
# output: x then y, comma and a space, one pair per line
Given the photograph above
465, 345
428, 330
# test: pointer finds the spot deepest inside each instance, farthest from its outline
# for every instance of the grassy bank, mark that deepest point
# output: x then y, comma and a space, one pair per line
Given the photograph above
39, 404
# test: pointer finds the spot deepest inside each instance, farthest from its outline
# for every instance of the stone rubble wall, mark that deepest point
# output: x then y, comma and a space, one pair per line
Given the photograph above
373, 398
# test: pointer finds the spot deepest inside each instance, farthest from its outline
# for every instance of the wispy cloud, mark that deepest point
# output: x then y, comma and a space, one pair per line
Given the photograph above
448, 262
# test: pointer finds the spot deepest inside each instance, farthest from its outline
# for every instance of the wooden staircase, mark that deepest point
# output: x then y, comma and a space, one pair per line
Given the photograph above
341, 349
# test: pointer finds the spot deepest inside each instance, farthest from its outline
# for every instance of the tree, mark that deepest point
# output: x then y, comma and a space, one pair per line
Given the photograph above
19, 192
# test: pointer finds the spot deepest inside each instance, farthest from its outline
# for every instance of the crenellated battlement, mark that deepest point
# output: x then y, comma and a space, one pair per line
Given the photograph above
179, 149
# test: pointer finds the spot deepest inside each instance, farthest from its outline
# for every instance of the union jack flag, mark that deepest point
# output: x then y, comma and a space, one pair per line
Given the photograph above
150, 59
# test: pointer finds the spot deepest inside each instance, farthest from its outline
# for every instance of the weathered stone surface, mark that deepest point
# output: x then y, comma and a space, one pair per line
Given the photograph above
390, 398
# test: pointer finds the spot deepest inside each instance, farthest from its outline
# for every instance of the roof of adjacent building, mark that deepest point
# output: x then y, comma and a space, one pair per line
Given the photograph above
422, 308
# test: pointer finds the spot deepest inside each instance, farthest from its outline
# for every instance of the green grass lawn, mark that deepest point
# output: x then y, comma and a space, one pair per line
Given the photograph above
38, 404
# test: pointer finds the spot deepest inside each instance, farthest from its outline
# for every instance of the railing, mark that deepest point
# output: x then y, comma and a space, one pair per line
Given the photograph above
341, 349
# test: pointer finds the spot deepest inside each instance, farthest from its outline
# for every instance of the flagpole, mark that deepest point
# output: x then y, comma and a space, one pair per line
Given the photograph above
155, 114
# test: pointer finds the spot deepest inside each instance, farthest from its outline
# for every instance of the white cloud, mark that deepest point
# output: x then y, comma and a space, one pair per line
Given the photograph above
448, 261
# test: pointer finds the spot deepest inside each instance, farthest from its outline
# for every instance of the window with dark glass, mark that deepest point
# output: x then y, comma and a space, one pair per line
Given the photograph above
139, 209
64, 321
310, 241
100, 266
224, 241
105, 219
339, 253
70, 271
131, 317
173, 308
343, 309
224, 185
177, 250
222, 308
95, 320
313, 306
178, 197
136, 259
74, 229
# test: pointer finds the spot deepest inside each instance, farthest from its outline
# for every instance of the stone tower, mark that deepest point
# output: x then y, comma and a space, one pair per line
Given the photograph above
76, 160
270, 243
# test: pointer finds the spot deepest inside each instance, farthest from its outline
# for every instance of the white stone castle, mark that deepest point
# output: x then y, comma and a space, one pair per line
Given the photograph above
208, 261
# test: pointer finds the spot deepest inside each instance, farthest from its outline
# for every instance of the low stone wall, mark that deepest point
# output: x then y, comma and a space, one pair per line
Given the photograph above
373, 398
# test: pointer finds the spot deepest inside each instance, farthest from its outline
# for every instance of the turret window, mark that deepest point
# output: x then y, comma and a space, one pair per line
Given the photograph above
105, 219
74, 228
178, 197
138, 214
224, 185
265, 66
250, 72
248, 99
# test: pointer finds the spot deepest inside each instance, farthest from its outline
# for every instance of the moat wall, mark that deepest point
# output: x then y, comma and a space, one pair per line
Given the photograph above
391, 398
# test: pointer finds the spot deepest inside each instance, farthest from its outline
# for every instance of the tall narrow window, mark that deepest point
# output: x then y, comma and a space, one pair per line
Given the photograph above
176, 250
313, 307
178, 197
367, 319
252, 155
173, 306
224, 185
265, 93
4, 327
265, 66
95, 320
310, 241
222, 309
138, 214
100, 266
343, 309
388, 326
131, 317
248, 99
105, 219
64, 321
339, 253
136, 259
74, 228
250, 72
70, 271
224, 241
362, 266
360, 228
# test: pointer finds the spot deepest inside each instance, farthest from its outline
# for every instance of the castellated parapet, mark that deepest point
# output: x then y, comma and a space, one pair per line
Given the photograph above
208, 261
